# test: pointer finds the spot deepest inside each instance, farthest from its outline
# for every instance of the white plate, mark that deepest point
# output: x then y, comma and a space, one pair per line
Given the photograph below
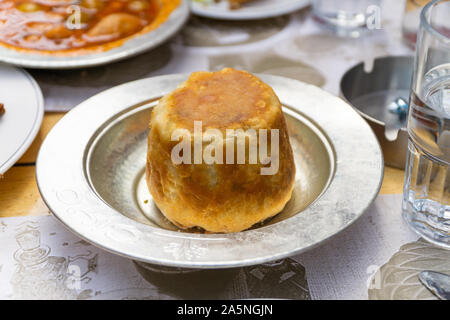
24, 107
128, 49
257, 9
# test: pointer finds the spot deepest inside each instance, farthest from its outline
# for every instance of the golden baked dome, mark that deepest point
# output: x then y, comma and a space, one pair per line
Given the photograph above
219, 156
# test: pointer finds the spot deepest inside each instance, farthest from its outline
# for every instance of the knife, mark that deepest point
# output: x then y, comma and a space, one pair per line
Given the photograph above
437, 283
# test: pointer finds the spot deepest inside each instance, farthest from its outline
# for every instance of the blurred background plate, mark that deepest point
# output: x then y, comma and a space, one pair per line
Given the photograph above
128, 49
258, 9
24, 107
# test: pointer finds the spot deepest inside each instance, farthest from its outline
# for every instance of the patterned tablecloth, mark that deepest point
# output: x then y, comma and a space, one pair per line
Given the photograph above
377, 258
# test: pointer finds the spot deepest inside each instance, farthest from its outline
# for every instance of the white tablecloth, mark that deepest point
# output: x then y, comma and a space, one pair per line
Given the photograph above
69, 268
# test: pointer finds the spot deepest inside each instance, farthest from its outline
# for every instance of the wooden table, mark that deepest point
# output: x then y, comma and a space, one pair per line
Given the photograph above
19, 194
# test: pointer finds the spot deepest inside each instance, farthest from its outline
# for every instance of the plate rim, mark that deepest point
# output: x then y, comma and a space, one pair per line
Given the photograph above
187, 248
132, 47
236, 15
34, 130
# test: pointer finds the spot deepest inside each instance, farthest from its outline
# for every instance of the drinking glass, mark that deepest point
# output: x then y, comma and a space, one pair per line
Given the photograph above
426, 197
345, 17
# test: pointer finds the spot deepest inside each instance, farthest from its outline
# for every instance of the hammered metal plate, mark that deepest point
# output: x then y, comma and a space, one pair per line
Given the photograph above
116, 159
90, 174
128, 49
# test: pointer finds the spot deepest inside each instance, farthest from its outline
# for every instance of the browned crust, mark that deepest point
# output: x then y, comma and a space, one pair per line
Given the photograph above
225, 99
219, 197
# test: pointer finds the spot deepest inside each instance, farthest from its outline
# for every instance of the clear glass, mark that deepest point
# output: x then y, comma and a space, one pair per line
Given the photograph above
426, 197
345, 17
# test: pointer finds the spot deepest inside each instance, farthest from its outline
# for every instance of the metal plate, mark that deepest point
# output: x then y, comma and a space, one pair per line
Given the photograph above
128, 49
116, 158
24, 107
90, 167
250, 11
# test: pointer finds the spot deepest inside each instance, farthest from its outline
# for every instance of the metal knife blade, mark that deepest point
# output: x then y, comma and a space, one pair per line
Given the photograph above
438, 283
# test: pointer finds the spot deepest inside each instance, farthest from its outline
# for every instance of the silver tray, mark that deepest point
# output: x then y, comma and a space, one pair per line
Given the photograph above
128, 49
91, 165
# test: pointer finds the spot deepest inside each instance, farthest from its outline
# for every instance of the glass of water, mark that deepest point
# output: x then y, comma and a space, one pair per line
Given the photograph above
426, 197
347, 18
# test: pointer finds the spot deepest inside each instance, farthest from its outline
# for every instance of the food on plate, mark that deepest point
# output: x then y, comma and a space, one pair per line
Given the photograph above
2, 109
236, 4
67, 26
116, 24
219, 156
233, 4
